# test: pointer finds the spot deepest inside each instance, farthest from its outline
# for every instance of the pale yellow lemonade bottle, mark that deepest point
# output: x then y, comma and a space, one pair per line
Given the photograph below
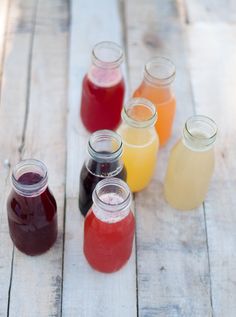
140, 142
191, 164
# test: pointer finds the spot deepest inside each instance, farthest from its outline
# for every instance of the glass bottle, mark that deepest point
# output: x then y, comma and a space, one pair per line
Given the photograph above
191, 164
104, 160
103, 88
159, 73
140, 142
109, 226
31, 208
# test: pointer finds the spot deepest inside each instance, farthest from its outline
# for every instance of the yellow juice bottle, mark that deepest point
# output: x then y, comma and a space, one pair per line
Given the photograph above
140, 142
191, 164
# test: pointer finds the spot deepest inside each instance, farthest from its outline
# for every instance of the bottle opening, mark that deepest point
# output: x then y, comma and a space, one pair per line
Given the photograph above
107, 54
111, 200
140, 113
159, 71
29, 177
105, 145
200, 132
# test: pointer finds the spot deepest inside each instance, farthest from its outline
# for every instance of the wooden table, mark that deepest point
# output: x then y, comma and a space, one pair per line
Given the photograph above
183, 263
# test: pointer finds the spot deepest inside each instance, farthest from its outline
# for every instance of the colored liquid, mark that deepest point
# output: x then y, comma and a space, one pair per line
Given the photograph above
188, 176
101, 103
140, 149
108, 246
165, 104
32, 220
89, 177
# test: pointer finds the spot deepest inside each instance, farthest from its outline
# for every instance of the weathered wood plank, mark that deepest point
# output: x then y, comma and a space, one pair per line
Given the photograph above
87, 292
210, 11
37, 281
174, 281
4, 8
12, 114
213, 80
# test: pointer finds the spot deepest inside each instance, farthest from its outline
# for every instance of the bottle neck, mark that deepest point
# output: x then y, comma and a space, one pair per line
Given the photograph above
111, 200
105, 70
199, 133
30, 178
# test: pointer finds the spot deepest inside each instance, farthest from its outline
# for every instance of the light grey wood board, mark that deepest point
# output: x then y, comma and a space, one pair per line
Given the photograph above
87, 292
177, 271
37, 281
212, 62
16, 50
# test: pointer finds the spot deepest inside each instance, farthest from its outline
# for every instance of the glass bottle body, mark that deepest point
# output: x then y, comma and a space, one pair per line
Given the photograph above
189, 172
103, 89
103, 161
109, 232
157, 89
140, 143
32, 216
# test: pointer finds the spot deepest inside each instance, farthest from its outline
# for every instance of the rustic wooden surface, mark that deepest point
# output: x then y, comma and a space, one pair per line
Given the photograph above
183, 263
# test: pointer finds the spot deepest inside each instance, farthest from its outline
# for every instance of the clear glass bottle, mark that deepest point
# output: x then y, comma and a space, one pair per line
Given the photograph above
104, 160
31, 208
191, 164
140, 142
109, 226
103, 88
159, 73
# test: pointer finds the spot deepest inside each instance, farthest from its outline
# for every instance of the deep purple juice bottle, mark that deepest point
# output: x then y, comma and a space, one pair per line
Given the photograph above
104, 160
32, 209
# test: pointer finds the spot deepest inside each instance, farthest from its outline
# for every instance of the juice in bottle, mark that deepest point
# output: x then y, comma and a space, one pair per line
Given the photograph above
103, 88
191, 164
109, 226
140, 142
32, 209
104, 160
159, 73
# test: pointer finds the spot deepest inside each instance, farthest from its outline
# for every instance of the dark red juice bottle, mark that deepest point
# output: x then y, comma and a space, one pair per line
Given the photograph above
103, 88
109, 226
103, 161
31, 208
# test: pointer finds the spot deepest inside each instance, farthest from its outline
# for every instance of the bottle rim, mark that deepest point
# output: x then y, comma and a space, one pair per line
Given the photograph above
166, 68
202, 140
111, 209
25, 166
99, 60
136, 102
103, 136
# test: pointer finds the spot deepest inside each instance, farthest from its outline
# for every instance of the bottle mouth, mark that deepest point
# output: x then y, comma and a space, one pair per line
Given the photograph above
105, 145
112, 199
159, 71
107, 54
200, 131
139, 113
29, 177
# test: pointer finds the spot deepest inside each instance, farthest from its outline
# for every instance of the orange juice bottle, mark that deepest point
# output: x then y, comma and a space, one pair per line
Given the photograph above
159, 73
140, 142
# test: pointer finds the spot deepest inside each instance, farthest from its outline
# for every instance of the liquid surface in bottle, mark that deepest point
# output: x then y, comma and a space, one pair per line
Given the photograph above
89, 177
108, 246
188, 176
165, 103
102, 100
140, 148
32, 220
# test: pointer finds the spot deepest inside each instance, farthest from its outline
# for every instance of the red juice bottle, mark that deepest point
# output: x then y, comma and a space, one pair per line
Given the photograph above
31, 208
109, 226
103, 88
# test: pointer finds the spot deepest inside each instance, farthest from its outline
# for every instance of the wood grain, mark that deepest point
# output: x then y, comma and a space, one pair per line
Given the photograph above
12, 114
214, 83
88, 293
37, 281
173, 270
